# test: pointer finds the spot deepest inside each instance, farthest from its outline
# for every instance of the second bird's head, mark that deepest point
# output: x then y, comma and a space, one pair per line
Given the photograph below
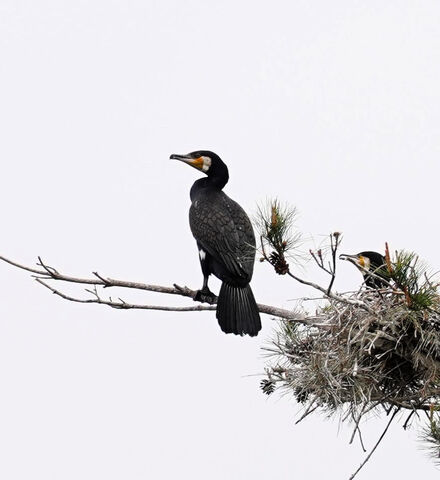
206, 161
365, 260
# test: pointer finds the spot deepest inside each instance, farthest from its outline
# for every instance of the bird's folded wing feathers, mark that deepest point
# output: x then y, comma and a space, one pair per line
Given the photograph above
226, 234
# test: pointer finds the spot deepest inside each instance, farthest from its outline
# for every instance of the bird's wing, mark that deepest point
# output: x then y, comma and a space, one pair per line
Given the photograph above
222, 227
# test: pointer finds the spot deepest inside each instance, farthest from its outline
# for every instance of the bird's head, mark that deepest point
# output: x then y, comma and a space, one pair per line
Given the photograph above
359, 259
365, 260
206, 161
372, 265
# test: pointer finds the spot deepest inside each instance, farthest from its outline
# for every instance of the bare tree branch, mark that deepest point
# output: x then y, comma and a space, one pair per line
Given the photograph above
49, 273
121, 304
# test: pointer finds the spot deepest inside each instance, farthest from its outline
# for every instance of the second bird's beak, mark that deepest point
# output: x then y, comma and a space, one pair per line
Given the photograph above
350, 258
358, 260
188, 159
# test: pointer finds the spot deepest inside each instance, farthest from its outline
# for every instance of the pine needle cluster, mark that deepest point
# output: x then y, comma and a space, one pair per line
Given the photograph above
431, 434
410, 276
275, 223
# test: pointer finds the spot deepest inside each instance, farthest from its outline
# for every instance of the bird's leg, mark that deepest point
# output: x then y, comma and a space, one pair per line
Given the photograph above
204, 294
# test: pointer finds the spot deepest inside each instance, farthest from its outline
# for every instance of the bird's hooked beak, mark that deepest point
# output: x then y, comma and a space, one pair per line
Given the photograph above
196, 162
344, 256
356, 259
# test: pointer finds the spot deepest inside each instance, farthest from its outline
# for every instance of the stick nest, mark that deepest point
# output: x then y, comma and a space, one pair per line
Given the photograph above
382, 354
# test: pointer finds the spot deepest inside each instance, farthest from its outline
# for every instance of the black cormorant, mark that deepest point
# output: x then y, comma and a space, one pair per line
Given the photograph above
372, 262
226, 243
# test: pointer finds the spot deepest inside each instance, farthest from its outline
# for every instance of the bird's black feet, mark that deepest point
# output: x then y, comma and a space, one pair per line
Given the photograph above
205, 295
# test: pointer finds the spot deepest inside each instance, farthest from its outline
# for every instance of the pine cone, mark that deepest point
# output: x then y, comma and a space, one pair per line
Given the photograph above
267, 386
279, 263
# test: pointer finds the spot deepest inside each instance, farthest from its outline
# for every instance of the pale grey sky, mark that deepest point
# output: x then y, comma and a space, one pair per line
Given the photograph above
331, 106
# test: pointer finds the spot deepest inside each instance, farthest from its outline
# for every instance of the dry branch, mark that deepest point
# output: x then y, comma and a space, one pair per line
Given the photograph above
46, 272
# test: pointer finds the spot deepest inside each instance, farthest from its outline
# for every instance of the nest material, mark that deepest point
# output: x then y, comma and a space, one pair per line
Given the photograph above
385, 354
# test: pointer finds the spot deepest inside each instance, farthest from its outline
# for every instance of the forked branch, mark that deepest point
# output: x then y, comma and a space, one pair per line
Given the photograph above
47, 273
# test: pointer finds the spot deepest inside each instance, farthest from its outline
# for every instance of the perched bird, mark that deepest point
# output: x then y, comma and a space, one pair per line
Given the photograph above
226, 243
370, 262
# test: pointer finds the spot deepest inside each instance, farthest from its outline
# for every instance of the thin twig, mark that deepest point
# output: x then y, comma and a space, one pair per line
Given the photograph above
357, 303
104, 280
361, 440
51, 271
375, 446
356, 423
334, 248
405, 425
308, 411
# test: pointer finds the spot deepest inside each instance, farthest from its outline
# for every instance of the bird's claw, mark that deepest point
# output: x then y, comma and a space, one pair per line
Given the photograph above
205, 296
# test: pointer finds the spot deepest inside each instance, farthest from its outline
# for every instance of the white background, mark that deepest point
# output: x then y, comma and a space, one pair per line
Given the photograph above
331, 106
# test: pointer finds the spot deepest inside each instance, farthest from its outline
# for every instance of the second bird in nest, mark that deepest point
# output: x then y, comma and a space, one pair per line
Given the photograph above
370, 262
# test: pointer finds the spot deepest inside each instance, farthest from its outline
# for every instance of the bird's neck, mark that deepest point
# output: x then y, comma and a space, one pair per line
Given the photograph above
218, 181
213, 182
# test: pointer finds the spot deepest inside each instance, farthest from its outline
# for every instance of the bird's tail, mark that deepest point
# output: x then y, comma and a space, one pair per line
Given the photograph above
237, 311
